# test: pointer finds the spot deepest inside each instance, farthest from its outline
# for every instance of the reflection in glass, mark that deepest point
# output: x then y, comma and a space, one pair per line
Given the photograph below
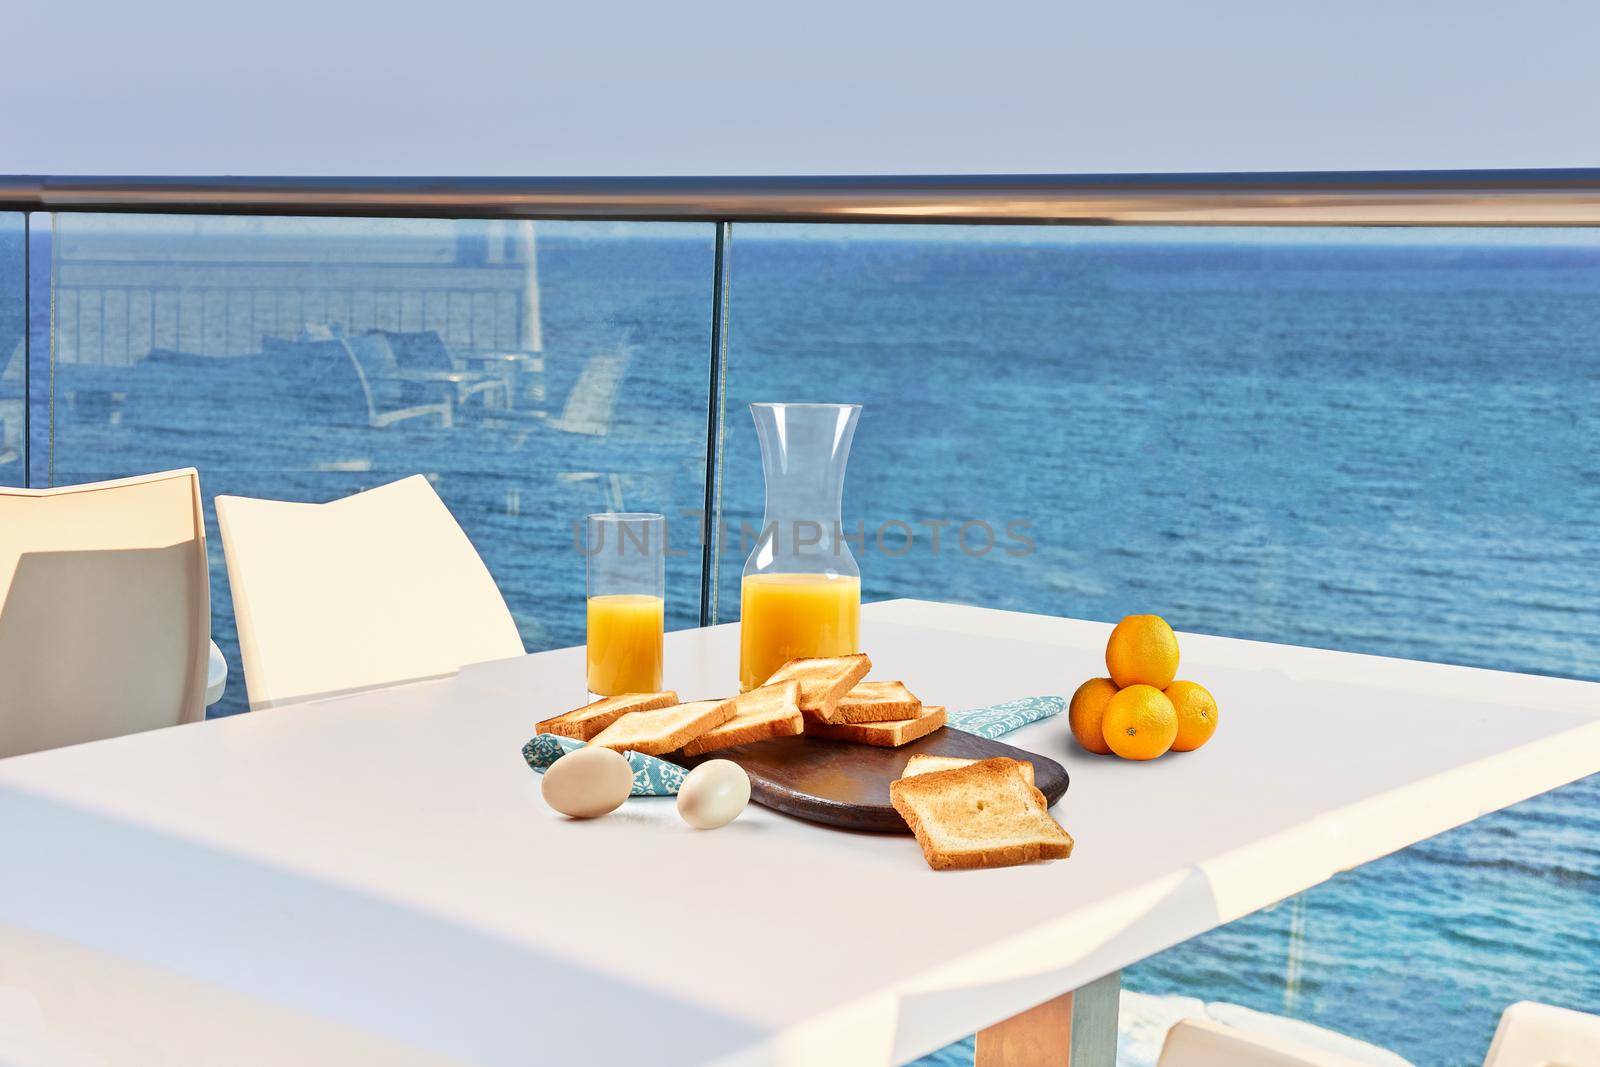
13, 352
532, 374
1378, 441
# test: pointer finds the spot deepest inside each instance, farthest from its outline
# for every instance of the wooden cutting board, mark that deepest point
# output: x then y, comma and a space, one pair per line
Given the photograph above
844, 784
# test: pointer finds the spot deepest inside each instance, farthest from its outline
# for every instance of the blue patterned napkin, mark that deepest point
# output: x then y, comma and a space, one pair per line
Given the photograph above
651, 777
997, 719
657, 778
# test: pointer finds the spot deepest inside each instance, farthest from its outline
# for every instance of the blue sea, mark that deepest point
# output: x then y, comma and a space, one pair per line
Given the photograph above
1330, 439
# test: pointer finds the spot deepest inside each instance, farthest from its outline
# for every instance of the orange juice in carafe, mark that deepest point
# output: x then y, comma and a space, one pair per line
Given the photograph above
625, 631
801, 594
786, 616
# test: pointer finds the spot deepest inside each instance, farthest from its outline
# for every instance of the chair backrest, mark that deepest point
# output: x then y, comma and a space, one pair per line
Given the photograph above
105, 610
418, 350
1206, 1043
11, 402
593, 400
375, 358
324, 380
1538, 1035
375, 589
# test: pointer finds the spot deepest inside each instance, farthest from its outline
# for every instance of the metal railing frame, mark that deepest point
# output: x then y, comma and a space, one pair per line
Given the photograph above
1564, 197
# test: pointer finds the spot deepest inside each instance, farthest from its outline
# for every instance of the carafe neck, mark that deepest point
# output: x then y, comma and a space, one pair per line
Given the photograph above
804, 451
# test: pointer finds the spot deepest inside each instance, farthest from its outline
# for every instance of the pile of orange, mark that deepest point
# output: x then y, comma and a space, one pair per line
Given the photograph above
1140, 712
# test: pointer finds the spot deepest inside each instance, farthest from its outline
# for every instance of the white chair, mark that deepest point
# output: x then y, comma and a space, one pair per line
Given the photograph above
105, 610
1529, 1035
1206, 1043
216, 676
375, 589
1538, 1035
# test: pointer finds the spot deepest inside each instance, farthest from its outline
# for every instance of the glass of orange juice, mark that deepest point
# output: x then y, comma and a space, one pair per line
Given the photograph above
626, 579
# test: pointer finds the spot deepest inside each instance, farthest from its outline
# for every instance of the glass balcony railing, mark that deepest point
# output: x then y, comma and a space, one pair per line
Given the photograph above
1377, 440
534, 378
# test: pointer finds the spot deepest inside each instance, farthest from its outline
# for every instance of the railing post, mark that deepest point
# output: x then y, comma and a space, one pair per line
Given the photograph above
27, 350
711, 518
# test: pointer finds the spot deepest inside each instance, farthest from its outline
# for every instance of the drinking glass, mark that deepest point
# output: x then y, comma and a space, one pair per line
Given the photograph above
627, 582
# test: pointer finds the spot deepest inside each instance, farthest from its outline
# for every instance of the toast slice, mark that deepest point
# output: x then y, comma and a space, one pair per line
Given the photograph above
921, 764
823, 680
885, 734
982, 815
770, 711
583, 723
653, 733
876, 702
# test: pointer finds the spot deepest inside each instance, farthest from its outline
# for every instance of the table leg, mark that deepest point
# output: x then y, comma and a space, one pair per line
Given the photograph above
1078, 1029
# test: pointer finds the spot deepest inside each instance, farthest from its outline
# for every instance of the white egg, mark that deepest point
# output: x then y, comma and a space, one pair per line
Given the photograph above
713, 794
589, 782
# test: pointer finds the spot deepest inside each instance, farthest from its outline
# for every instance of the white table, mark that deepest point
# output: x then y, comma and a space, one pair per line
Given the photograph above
375, 878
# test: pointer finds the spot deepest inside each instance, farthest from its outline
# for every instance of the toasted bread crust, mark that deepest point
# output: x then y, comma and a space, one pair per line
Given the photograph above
583, 723
910, 796
653, 733
770, 711
923, 764
823, 680
875, 702
744, 735
884, 734
1009, 856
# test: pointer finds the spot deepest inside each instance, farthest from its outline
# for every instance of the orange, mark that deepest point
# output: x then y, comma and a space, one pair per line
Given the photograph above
1143, 650
1140, 722
1197, 715
1083, 714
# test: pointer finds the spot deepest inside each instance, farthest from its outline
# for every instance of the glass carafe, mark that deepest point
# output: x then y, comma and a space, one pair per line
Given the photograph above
801, 591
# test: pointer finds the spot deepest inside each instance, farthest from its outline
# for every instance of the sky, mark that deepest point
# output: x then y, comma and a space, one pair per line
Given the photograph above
822, 87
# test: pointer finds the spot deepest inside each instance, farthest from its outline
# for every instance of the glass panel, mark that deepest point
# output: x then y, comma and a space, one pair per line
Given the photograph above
13, 361
534, 374
41, 398
1380, 441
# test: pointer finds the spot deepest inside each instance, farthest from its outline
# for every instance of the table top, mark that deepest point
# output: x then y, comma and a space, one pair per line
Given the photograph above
376, 875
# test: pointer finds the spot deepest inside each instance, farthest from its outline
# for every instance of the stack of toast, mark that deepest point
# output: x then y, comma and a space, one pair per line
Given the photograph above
824, 697
839, 705
656, 723
964, 813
